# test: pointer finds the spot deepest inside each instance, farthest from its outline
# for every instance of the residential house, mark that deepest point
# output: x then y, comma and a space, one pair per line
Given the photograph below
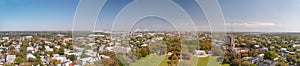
10, 58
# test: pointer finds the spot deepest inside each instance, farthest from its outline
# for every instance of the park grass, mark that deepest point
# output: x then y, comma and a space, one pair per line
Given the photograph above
122, 59
150, 60
203, 61
225, 64
165, 60
192, 62
155, 60
213, 61
208, 61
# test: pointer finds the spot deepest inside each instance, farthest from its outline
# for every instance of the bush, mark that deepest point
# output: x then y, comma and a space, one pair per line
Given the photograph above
253, 65
245, 55
270, 55
144, 51
226, 65
72, 57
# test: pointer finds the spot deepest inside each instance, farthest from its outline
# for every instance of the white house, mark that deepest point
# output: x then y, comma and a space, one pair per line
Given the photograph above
110, 48
200, 53
30, 56
28, 37
30, 49
143, 45
10, 58
48, 48
296, 45
5, 38
261, 55
62, 59
256, 46
60, 35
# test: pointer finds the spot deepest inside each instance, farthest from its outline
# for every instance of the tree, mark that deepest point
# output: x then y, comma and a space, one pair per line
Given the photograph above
252, 64
227, 57
43, 45
246, 63
54, 62
19, 60
270, 55
236, 55
281, 64
61, 51
245, 55
144, 51
174, 46
11, 48
69, 45
294, 60
205, 45
253, 52
236, 62
72, 57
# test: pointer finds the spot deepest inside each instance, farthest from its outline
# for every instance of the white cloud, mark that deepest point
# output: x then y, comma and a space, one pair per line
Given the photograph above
252, 24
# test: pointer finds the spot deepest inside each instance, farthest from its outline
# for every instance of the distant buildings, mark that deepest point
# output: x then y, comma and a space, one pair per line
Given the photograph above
229, 40
120, 49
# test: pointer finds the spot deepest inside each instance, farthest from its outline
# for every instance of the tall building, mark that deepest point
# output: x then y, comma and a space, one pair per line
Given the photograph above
229, 40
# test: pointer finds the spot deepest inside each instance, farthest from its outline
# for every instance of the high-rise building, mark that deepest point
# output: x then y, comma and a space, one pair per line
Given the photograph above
229, 40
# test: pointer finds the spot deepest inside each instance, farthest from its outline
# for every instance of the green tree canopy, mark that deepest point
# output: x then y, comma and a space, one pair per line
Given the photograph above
270, 55
72, 57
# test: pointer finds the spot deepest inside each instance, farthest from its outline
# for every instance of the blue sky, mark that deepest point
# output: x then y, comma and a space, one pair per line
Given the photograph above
241, 15
36, 15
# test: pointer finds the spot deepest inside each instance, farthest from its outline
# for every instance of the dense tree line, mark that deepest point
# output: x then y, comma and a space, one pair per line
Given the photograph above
173, 46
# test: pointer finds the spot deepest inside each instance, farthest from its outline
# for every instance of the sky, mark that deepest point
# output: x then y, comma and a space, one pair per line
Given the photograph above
37, 15
240, 15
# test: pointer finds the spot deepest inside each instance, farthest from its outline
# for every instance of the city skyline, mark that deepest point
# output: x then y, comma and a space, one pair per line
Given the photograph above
241, 16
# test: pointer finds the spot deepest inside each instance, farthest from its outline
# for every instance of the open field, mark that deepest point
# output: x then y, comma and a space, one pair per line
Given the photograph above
203, 61
151, 60
155, 60
192, 62
213, 61
165, 60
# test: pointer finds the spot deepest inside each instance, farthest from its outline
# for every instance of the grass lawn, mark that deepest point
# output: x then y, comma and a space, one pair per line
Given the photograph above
225, 65
192, 62
151, 60
155, 60
123, 59
165, 60
203, 61
208, 61
213, 61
